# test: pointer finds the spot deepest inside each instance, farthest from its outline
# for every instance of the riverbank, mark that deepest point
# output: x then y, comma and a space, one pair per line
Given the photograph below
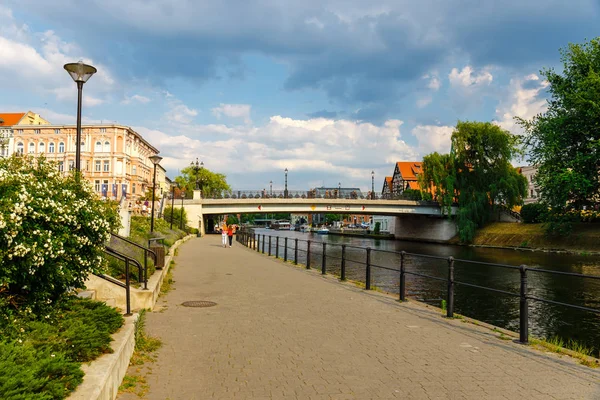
362, 234
585, 237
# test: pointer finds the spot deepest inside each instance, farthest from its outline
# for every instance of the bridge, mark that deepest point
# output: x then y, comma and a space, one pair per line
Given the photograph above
428, 213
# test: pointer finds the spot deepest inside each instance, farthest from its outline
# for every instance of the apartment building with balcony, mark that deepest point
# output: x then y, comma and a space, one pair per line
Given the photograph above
114, 158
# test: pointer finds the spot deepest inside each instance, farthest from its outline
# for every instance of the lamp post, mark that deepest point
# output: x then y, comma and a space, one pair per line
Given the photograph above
285, 192
197, 168
339, 190
271, 188
181, 222
372, 185
173, 186
155, 160
80, 73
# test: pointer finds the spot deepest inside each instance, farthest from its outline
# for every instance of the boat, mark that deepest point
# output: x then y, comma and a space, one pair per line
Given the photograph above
323, 231
281, 225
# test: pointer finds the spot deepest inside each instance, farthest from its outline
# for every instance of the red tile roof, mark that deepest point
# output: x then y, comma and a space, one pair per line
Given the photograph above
388, 180
9, 119
409, 169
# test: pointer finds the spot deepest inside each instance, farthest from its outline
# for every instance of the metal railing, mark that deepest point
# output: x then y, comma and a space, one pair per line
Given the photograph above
292, 194
127, 285
146, 251
256, 241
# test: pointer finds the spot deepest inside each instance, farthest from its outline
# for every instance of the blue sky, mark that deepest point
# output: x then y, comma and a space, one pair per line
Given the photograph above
329, 89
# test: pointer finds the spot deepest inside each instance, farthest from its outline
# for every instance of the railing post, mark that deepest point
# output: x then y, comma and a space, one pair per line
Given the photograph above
127, 283
277, 247
524, 309
343, 274
263, 245
296, 251
324, 260
257, 247
254, 241
450, 305
368, 274
269, 245
145, 269
285, 249
402, 277
308, 254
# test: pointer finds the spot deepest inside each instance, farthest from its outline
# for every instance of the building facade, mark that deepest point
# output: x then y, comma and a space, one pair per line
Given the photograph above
406, 176
114, 158
388, 187
7, 123
533, 192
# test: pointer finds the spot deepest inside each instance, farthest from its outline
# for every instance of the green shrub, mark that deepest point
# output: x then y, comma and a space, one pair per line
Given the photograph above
412, 194
377, 228
534, 213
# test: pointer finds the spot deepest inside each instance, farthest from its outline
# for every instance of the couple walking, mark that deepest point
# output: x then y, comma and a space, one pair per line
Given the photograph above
227, 232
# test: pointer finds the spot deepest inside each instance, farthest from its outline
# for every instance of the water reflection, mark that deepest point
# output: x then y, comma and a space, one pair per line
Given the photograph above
546, 320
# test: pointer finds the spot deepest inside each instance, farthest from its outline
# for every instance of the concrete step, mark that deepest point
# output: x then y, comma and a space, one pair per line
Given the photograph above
87, 294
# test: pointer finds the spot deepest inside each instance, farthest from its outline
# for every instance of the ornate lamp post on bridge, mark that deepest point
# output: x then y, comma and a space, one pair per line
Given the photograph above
155, 160
197, 168
173, 186
271, 188
339, 193
285, 192
80, 73
372, 185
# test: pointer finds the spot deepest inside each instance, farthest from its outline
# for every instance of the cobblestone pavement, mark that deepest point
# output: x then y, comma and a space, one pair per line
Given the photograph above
281, 332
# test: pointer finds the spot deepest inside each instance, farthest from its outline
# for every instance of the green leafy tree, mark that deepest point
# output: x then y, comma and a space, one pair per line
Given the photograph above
52, 231
477, 171
564, 142
211, 183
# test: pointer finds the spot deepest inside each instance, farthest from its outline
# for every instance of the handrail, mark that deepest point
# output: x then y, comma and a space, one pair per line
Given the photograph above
146, 251
126, 285
250, 239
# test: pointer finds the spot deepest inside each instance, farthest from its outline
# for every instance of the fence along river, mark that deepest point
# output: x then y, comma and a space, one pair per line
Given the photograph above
546, 320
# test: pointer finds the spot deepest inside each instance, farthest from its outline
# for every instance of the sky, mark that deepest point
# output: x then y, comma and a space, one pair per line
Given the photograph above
329, 89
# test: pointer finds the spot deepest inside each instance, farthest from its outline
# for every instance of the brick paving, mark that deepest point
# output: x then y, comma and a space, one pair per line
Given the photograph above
281, 332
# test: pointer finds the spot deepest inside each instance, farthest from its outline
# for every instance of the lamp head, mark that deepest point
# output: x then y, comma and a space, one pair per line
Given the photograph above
80, 72
155, 159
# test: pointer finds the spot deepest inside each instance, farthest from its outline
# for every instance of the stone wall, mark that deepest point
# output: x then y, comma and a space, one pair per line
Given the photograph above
424, 228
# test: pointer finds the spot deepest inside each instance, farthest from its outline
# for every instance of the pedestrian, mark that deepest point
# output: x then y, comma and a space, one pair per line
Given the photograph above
230, 234
224, 232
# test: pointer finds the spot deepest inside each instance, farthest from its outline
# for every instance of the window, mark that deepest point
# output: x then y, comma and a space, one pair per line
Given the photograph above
102, 130
71, 165
532, 193
106, 166
36, 131
133, 188
42, 147
61, 166
51, 148
107, 146
97, 185
19, 148
19, 130
98, 166
31, 148
98, 147
134, 170
57, 131
61, 147
82, 145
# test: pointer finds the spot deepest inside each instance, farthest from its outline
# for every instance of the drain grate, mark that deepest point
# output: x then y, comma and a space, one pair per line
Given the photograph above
201, 303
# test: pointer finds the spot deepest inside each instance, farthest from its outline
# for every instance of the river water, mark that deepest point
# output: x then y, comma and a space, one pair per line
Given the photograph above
545, 320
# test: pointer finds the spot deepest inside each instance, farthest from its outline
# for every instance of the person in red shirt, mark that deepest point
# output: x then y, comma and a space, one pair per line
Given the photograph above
230, 234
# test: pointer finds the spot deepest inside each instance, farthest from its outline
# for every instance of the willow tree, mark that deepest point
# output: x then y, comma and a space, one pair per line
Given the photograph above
478, 173
211, 183
564, 142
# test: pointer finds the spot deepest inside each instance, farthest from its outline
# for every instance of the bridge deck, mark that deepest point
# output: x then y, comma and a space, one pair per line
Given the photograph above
281, 332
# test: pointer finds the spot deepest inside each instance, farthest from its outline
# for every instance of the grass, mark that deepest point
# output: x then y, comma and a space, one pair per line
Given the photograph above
167, 284
570, 347
145, 346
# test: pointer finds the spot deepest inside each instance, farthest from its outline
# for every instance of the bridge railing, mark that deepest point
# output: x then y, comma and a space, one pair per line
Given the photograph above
302, 194
316, 252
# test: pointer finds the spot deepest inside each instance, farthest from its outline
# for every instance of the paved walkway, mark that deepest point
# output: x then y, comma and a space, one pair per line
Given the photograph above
281, 332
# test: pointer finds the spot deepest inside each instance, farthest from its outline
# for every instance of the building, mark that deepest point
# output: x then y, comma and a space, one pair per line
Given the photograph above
113, 157
406, 176
8, 121
388, 188
533, 192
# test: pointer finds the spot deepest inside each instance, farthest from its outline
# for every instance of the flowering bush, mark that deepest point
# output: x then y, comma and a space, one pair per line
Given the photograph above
52, 231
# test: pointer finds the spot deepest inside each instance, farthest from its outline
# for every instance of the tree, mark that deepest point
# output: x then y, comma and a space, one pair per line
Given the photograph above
211, 183
52, 231
477, 172
564, 142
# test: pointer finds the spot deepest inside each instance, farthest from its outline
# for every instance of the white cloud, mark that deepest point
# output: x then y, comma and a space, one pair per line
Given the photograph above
136, 98
180, 113
521, 101
467, 78
233, 111
424, 101
434, 83
433, 138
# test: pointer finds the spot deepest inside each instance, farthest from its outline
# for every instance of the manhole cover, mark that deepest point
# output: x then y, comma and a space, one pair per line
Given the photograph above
198, 303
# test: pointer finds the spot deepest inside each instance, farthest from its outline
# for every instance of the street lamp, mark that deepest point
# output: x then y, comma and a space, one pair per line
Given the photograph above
80, 73
173, 186
285, 192
181, 222
271, 188
155, 160
197, 168
339, 189
372, 185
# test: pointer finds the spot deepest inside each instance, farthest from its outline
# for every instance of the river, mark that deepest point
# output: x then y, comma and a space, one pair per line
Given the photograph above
545, 320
